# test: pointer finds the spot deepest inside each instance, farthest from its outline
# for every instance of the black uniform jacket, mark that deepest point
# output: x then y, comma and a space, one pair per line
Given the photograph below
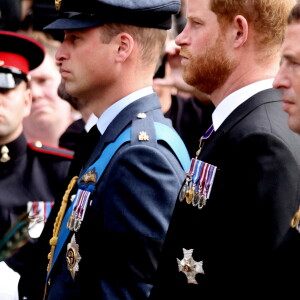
242, 236
30, 180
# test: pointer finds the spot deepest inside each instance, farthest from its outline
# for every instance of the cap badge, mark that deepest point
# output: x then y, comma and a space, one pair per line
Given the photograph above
57, 4
189, 266
73, 257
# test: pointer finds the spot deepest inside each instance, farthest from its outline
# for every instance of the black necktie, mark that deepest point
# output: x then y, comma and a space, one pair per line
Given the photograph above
88, 142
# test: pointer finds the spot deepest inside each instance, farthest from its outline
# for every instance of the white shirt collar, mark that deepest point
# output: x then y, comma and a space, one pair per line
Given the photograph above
110, 113
92, 120
232, 101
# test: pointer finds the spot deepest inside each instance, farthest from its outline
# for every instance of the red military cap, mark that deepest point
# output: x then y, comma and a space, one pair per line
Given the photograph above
18, 55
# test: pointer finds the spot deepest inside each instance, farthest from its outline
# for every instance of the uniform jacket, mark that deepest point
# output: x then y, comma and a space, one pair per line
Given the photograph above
124, 226
242, 235
33, 174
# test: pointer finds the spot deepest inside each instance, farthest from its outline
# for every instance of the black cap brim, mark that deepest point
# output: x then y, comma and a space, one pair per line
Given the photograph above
72, 24
10, 81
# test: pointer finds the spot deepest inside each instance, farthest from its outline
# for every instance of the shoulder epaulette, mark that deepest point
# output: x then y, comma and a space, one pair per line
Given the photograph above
44, 148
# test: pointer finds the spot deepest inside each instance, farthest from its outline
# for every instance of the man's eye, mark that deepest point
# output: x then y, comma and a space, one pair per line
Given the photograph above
74, 37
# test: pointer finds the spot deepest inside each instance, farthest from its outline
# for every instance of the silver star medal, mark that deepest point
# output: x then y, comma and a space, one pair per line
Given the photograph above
189, 266
73, 257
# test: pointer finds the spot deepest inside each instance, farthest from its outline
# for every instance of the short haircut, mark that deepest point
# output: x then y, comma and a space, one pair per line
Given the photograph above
267, 18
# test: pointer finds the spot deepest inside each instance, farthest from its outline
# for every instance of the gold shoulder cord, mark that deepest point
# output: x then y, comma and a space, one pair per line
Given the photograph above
58, 221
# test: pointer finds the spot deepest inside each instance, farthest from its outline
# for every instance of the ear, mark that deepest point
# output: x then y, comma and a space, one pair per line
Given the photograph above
27, 102
241, 27
126, 44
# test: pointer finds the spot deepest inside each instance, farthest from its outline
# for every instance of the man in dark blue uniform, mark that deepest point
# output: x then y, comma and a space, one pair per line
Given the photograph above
30, 174
107, 235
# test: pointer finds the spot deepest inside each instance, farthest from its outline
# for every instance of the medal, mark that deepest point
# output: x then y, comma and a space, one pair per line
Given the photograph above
79, 207
190, 195
199, 179
80, 201
185, 187
187, 191
198, 183
189, 266
296, 220
38, 212
73, 257
196, 198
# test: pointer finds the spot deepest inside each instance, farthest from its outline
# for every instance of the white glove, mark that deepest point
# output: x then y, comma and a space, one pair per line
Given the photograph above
9, 280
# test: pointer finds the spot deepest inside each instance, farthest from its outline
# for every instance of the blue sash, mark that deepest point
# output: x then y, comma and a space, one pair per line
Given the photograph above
163, 132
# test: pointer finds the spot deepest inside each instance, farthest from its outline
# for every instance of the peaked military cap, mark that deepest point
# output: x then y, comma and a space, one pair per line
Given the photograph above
18, 55
80, 14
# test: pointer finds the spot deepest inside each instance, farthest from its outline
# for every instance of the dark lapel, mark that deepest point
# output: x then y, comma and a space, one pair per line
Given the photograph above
261, 98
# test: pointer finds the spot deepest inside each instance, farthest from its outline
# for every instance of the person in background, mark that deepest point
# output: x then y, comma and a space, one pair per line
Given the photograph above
14, 14
30, 175
74, 135
232, 234
50, 115
288, 77
124, 195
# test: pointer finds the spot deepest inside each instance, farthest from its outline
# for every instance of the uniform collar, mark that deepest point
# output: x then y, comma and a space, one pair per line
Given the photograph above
15, 148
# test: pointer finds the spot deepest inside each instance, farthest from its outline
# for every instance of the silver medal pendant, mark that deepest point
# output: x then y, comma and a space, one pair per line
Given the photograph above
189, 266
73, 257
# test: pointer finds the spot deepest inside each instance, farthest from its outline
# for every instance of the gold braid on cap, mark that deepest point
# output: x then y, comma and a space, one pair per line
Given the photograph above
58, 221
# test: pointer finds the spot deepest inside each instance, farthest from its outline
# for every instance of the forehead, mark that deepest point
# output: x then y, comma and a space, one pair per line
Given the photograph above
200, 9
197, 6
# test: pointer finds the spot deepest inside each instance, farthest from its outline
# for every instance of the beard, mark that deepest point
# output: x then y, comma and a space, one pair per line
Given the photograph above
209, 71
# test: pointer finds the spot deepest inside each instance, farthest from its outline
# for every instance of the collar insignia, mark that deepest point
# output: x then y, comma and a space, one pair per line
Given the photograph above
4, 154
57, 4
143, 136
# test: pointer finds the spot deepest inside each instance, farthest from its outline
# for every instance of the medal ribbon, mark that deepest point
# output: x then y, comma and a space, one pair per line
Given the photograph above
200, 177
208, 133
